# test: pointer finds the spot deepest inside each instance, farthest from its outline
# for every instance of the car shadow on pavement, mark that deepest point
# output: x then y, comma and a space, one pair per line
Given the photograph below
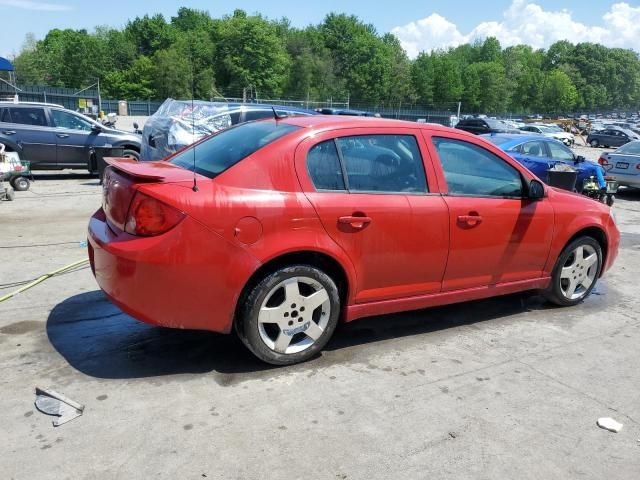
97, 339
63, 176
632, 194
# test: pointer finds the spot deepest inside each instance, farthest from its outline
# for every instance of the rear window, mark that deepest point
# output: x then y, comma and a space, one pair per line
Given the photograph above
497, 139
632, 148
223, 150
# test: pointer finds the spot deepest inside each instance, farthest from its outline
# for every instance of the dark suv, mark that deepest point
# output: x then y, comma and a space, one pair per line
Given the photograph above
611, 137
480, 126
52, 137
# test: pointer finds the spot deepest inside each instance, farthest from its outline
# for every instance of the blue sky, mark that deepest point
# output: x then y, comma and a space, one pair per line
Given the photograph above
22, 16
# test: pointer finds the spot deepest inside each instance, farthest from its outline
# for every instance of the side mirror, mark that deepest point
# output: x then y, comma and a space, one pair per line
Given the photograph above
96, 128
135, 125
580, 159
536, 190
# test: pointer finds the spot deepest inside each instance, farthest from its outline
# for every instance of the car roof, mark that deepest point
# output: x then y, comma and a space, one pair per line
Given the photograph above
338, 121
512, 139
29, 104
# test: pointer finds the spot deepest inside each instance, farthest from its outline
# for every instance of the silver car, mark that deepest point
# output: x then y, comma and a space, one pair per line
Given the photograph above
623, 164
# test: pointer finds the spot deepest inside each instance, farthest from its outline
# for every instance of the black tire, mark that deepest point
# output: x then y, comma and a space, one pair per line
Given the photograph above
594, 143
554, 293
248, 327
20, 184
131, 153
611, 200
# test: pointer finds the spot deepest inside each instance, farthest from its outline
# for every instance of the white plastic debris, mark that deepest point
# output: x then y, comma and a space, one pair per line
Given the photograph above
609, 424
54, 403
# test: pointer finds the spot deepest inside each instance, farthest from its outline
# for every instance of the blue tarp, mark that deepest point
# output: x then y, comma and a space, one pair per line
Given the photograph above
5, 65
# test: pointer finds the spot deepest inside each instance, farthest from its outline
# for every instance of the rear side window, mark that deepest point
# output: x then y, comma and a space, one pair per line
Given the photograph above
4, 115
324, 167
257, 115
383, 163
219, 152
471, 170
29, 116
534, 149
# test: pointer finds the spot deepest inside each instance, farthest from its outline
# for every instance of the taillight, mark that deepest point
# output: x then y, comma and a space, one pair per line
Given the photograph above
603, 161
148, 217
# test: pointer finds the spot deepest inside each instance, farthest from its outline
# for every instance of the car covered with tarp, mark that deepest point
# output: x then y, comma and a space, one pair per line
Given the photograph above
179, 123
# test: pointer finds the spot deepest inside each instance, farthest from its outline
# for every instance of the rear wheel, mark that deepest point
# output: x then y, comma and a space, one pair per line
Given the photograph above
289, 316
594, 143
576, 272
128, 153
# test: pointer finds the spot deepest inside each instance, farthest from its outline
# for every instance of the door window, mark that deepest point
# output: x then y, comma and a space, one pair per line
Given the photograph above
324, 167
534, 149
4, 115
62, 119
382, 163
29, 116
560, 152
471, 170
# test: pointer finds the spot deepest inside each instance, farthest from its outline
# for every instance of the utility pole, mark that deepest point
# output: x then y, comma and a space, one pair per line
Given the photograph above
459, 104
99, 99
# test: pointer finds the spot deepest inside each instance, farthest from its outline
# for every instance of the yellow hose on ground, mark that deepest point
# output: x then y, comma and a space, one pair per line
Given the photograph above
42, 279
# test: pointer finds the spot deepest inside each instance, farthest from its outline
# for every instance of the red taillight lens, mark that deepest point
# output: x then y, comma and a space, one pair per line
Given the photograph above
148, 217
603, 161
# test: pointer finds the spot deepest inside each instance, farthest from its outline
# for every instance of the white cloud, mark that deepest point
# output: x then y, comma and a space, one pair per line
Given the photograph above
525, 23
41, 6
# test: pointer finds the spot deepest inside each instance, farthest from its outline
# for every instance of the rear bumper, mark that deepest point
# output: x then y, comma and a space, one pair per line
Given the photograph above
625, 179
187, 278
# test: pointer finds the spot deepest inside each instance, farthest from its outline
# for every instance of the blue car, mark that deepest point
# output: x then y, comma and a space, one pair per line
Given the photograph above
539, 154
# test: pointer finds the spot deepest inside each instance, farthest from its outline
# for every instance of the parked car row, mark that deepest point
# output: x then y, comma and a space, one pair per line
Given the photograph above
52, 137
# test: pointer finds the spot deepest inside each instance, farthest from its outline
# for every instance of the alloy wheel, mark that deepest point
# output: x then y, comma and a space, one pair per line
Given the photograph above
579, 272
294, 315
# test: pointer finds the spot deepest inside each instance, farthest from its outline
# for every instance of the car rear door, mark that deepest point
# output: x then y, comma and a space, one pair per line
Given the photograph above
369, 190
29, 128
74, 139
497, 234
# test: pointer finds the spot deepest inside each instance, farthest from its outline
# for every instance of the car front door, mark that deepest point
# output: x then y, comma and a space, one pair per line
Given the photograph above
371, 194
74, 137
30, 130
497, 234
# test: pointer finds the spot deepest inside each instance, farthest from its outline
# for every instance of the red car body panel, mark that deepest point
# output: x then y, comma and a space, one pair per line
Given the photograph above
417, 250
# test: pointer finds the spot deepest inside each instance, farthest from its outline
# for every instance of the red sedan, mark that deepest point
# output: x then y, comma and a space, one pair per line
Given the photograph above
281, 228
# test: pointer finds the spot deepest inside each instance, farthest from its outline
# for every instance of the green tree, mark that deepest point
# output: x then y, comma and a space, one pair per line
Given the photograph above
559, 93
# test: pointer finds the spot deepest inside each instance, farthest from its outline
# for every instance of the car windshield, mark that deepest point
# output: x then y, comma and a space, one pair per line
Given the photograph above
631, 148
219, 152
498, 139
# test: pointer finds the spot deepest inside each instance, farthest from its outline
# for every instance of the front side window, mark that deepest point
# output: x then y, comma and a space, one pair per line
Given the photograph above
29, 116
560, 152
221, 151
323, 164
471, 170
68, 120
382, 163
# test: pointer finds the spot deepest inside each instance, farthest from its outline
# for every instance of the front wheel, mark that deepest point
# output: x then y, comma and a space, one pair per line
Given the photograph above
289, 316
576, 272
20, 184
128, 153
594, 143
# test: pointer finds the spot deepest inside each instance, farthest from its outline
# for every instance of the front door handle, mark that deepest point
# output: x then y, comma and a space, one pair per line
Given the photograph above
62, 135
355, 222
9, 132
470, 220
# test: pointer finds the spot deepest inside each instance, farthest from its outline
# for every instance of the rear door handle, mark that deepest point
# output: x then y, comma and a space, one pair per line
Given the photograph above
62, 135
9, 132
470, 220
355, 222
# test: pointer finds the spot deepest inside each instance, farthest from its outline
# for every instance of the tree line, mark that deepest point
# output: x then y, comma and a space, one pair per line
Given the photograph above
342, 57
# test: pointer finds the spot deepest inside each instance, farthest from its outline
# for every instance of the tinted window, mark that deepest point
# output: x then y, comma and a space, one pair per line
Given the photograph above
324, 167
474, 171
382, 163
4, 115
257, 115
64, 119
560, 152
535, 149
29, 116
221, 151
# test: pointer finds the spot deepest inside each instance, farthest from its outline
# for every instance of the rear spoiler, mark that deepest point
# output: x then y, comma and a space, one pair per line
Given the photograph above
152, 171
